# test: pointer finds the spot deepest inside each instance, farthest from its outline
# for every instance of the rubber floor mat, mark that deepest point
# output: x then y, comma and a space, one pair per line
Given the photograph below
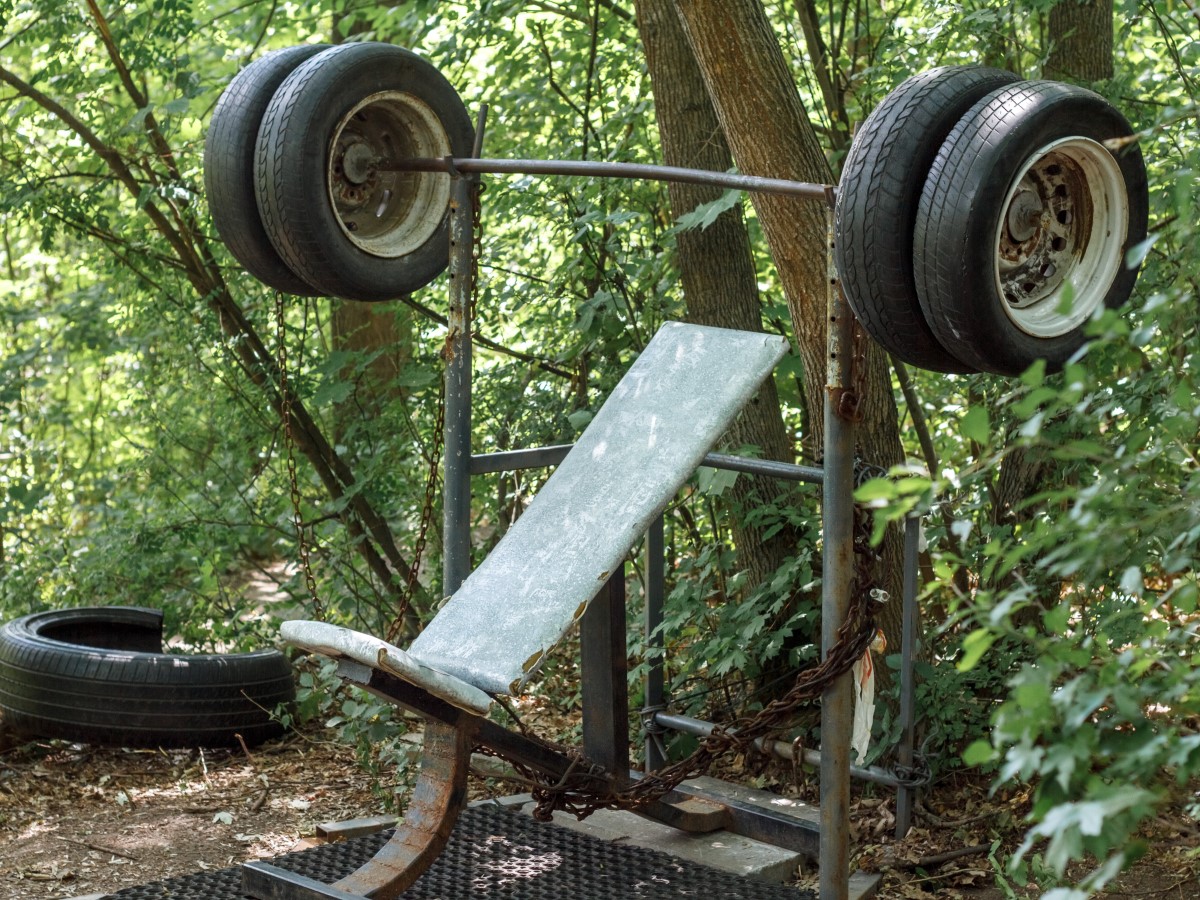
496, 853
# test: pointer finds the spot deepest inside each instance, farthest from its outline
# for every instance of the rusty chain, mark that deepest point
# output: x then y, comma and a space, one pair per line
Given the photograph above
396, 628
587, 787
285, 413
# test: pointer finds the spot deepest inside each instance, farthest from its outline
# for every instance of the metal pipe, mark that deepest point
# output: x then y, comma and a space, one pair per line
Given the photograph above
908, 652
768, 467
536, 457
837, 701
456, 431
655, 684
456, 465
600, 169
512, 460
781, 749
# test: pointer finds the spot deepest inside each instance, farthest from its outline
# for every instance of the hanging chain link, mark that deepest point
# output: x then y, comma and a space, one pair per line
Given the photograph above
396, 628
587, 787
289, 442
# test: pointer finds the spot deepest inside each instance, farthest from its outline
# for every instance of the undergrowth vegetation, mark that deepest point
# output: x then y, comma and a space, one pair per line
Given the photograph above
142, 463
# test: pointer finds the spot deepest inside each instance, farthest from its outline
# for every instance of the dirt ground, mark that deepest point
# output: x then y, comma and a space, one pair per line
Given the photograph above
78, 820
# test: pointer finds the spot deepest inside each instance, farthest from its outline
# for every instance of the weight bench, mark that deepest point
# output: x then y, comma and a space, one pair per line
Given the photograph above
490, 637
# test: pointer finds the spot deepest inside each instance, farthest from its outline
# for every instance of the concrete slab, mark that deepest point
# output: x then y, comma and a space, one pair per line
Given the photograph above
722, 850
864, 885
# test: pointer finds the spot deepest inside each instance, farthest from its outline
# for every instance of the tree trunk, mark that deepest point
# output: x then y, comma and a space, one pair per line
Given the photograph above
770, 134
377, 330
715, 264
1081, 40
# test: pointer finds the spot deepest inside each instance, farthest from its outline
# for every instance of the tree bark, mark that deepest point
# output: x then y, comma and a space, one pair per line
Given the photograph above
715, 264
369, 329
770, 134
1081, 40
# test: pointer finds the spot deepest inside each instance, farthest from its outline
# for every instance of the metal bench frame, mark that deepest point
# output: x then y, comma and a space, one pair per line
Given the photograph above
452, 731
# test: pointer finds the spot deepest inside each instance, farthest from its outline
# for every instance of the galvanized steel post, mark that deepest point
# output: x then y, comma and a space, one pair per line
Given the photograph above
837, 702
655, 644
456, 468
908, 653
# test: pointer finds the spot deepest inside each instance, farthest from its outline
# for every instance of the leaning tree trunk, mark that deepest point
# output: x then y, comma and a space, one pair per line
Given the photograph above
1081, 40
715, 264
770, 134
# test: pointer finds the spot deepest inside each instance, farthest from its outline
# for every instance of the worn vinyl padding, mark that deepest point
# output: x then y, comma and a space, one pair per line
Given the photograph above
343, 643
668, 411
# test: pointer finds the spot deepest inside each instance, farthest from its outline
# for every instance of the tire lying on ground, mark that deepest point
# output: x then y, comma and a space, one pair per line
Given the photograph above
345, 226
1024, 225
881, 187
98, 675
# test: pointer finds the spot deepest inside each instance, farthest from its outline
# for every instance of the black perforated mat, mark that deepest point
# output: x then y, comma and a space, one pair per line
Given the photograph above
497, 853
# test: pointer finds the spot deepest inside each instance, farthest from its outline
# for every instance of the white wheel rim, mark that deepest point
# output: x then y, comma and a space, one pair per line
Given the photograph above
1060, 236
387, 214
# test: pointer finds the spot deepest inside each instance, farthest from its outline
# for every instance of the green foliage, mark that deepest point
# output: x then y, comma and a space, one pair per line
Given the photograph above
141, 461
375, 728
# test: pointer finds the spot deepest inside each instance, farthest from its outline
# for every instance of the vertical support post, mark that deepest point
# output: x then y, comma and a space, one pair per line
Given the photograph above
456, 466
604, 667
908, 652
655, 680
837, 702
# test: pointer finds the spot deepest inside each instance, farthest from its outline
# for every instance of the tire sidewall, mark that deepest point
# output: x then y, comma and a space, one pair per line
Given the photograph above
305, 112
229, 178
896, 146
1056, 114
55, 687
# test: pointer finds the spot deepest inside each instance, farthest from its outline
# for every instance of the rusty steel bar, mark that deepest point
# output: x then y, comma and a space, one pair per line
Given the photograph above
439, 796
837, 513
780, 749
908, 652
600, 169
604, 678
456, 533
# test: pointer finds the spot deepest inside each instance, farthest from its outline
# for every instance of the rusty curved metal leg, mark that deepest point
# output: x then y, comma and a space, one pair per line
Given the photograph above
437, 799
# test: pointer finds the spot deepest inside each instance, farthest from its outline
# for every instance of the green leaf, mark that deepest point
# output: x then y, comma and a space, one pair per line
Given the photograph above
1137, 254
580, 418
979, 753
707, 213
974, 646
876, 489
975, 425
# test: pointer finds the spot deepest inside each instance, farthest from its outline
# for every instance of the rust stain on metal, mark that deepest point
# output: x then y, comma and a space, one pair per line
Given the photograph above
439, 796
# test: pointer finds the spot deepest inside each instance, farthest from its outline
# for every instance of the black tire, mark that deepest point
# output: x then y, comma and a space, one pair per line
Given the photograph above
98, 675
880, 189
348, 229
229, 167
1024, 198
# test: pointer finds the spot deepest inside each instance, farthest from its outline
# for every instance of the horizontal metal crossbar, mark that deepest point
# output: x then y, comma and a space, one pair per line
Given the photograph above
600, 169
537, 457
781, 749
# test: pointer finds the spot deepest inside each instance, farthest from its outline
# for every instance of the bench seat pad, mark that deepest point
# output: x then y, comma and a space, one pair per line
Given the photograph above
341, 643
669, 410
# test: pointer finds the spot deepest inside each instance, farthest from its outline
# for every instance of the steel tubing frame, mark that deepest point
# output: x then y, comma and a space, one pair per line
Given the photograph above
837, 568
836, 476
